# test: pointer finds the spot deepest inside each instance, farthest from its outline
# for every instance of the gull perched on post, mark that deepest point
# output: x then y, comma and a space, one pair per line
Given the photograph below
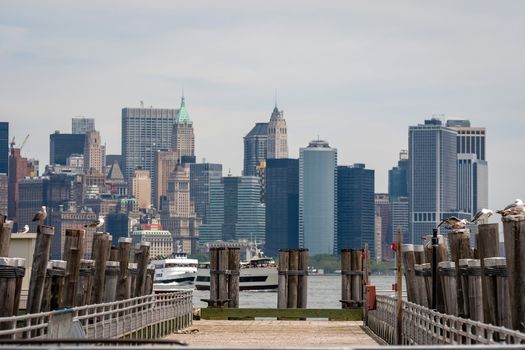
97, 223
482, 215
515, 208
453, 223
41, 215
25, 229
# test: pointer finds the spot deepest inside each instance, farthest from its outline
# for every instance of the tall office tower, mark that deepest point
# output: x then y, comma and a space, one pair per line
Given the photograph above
235, 210
378, 246
318, 198
277, 135
282, 205
431, 176
82, 125
144, 132
178, 213
398, 198
4, 180
165, 163
116, 182
62, 146
18, 169
141, 188
32, 196
94, 152
4, 147
382, 208
201, 174
183, 139
472, 176
255, 148
355, 207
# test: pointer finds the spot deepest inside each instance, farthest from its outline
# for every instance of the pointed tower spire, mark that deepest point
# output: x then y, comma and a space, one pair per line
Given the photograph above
183, 117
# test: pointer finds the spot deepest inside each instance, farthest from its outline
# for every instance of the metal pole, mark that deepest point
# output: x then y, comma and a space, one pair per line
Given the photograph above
435, 245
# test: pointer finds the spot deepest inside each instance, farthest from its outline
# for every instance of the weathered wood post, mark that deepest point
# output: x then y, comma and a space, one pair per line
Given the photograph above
46, 297
73, 256
419, 254
447, 273
39, 268
345, 277
150, 278
124, 246
459, 241
132, 279
214, 276
113, 253
421, 285
514, 233
20, 273
223, 277
426, 271
356, 282
141, 258
234, 262
5, 237
100, 254
110, 284
487, 243
409, 260
282, 291
85, 282
58, 279
293, 278
498, 292
475, 299
7, 288
462, 280
302, 286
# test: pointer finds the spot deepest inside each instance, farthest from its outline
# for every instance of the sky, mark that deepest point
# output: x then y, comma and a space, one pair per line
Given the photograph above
355, 73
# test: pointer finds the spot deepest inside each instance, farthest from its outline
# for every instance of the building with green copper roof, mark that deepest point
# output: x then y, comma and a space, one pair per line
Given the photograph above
183, 117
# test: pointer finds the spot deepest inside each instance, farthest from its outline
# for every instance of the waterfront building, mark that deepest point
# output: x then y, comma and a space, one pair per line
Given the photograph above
144, 132
277, 136
282, 205
62, 146
82, 125
161, 240
355, 207
255, 148
94, 152
318, 198
201, 175
141, 188
4, 148
382, 209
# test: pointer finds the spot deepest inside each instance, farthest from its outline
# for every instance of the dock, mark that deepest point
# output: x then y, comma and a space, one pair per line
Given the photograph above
274, 334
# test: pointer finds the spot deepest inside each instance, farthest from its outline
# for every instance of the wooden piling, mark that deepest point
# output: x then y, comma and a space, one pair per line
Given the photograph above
293, 278
419, 254
487, 243
420, 283
39, 268
426, 271
409, 260
475, 298
302, 287
214, 276
345, 277
447, 273
100, 254
85, 282
141, 258
223, 277
282, 291
111, 280
514, 233
150, 279
356, 282
7, 291
132, 278
459, 241
5, 237
58, 279
113, 253
399, 290
234, 263
462, 280
73, 256
124, 246
498, 292
20, 273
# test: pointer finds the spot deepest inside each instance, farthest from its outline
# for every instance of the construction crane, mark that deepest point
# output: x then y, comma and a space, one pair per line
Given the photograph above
24, 142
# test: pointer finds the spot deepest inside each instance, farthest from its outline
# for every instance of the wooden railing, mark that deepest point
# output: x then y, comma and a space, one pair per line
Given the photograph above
146, 317
422, 326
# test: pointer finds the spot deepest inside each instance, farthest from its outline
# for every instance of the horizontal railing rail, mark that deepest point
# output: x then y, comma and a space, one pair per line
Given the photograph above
422, 326
111, 320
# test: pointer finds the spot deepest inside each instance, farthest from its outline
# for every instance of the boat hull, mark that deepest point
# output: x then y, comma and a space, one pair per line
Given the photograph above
249, 279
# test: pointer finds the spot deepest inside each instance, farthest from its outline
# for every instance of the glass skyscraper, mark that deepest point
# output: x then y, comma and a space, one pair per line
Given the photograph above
355, 207
4, 147
318, 198
398, 200
282, 205
201, 175
255, 148
62, 146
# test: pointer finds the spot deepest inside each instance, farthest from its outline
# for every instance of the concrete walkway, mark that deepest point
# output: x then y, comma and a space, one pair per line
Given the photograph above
271, 333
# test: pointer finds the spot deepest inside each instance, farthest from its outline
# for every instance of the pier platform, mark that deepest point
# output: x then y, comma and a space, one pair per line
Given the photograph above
273, 333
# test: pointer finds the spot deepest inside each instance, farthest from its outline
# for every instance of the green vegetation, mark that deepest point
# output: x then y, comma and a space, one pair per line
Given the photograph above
330, 264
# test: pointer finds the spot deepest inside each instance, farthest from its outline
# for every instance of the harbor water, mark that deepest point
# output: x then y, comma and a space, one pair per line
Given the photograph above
324, 292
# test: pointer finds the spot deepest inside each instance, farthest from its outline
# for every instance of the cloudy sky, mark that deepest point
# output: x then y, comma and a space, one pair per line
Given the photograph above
356, 73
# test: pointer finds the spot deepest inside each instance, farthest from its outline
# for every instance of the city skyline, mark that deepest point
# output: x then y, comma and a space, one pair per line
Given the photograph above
382, 90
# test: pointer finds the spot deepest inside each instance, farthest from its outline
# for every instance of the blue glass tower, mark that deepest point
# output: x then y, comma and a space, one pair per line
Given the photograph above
4, 147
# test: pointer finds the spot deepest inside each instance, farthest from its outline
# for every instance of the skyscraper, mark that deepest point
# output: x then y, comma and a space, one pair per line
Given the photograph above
32, 196
62, 146
183, 139
235, 211
398, 198
3, 193
144, 132
277, 136
81, 125
382, 209
318, 198
4, 147
94, 153
201, 175
472, 174
18, 169
255, 148
141, 188
431, 175
165, 162
282, 205
355, 207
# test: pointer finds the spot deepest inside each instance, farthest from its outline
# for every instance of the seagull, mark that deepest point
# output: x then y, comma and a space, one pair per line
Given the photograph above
515, 208
482, 215
25, 229
97, 223
453, 223
41, 215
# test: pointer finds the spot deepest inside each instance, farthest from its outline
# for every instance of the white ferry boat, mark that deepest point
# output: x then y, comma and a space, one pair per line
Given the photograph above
178, 270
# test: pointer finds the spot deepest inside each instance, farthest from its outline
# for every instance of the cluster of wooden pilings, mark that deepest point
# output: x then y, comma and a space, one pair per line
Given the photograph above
473, 283
353, 262
224, 276
292, 292
54, 284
